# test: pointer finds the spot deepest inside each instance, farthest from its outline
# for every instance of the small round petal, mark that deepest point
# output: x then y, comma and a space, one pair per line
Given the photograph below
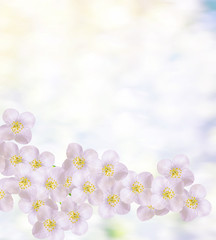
176, 204
110, 155
80, 227
29, 153
10, 149
122, 208
74, 150
187, 177
204, 207
85, 211
181, 161
197, 191
129, 179
158, 202
120, 171
68, 205
105, 211
58, 234
44, 213
161, 212
145, 213
164, 167
24, 136
127, 195
6, 203
96, 197
6, 132
90, 155
2, 164
25, 205
47, 158
62, 220
27, 119
158, 184
58, 194
10, 115
12, 186
78, 196
178, 187
78, 179
188, 214
146, 179
32, 218
39, 231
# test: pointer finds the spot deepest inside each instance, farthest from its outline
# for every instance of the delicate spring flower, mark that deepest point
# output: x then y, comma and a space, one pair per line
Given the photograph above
6, 200
31, 155
176, 169
136, 187
194, 203
110, 169
33, 200
146, 211
50, 224
166, 194
68, 180
17, 126
2, 158
86, 187
112, 203
51, 181
77, 215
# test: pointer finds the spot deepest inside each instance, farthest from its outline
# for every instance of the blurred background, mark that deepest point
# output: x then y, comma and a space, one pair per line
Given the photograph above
135, 76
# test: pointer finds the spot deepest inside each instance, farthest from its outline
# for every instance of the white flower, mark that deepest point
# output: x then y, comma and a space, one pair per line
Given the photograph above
77, 215
6, 200
194, 203
136, 187
17, 127
2, 158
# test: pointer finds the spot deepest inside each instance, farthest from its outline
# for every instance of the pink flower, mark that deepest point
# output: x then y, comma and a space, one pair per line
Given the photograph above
2, 158
194, 203
50, 224
112, 203
166, 194
110, 169
6, 200
176, 169
136, 187
77, 215
32, 201
79, 160
86, 188
31, 155
17, 127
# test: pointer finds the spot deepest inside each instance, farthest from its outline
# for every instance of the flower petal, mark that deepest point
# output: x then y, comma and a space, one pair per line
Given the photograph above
44, 213
47, 158
204, 207
110, 155
181, 161
6, 132
105, 211
158, 202
27, 119
39, 231
127, 195
85, 211
122, 208
197, 191
80, 227
25, 205
164, 167
90, 155
10, 149
161, 212
29, 153
10, 115
187, 177
145, 213
58, 194
68, 205
95, 197
158, 184
6, 203
129, 179
62, 220
2, 164
74, 150
78, 179
78, 195
57, 234
120, 171
145, 178
24, 136
176, 204
188, 214
32, 217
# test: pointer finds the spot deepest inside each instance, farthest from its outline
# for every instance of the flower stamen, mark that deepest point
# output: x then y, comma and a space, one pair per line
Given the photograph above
108, 170
88, 187
79, 162
36, 205
24, 183
68, 182
175, 172
113, 200
192, 203
51, 184
49, 225
15, 160
35, 164
73, 216
137, 187
16, 127
168, 193
2, 194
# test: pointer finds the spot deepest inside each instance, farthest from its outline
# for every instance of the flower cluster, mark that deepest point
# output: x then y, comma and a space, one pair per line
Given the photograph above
57, 199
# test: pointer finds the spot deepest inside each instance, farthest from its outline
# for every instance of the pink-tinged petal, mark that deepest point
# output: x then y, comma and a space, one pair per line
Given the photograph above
74, 150
25, 206
143, 198
176, 204
161, 212
6, 203
127, 195
12, 186
106, 182
90, 155
122, 208
39, 231
29, 153
80, 227
44, 213
96, 197
164, 167
78, 196
2, 164
85, 211
158, 202
24, 136
110, 155
10, 149
145, 213
10, 115
146, 179
105, 211
188, 214
187, 177
178, 187
120, 171
68, 205
197, 191
57, 174
9, 168
27, 119
47, 158
158, 184
6, 132
78, 179
58, 194
181, 161
62, 220
51, 204
32, 217
130, 179
57, 234
204, 207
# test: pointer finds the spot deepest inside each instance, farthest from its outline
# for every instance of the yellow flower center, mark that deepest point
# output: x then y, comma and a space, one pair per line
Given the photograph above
79, 162
88, 187
108, 170
15, 160
35, 164
192, 203
2, 194
16, 127
51, 184
113, 200
68, 182
175, 172
168, 193
137, 187
150, 206
24, 183
36, 205
73, 216
49, 225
